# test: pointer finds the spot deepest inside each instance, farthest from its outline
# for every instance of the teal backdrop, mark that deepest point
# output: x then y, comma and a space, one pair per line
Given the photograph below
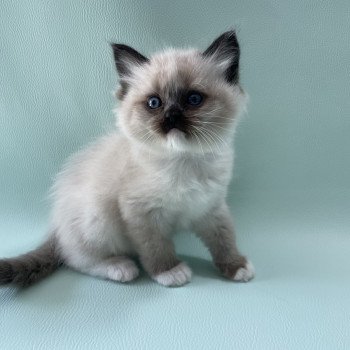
290, 196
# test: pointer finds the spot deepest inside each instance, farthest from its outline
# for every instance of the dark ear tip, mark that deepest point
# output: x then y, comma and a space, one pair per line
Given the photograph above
117, 47
230, 35
125, 57
114, 47
225, 47
120, 47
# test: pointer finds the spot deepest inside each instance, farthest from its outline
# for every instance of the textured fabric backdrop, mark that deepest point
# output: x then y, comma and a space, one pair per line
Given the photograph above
290, 196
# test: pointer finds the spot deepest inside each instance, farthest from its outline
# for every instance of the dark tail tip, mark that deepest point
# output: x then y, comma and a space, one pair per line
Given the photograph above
6, 272
29, 268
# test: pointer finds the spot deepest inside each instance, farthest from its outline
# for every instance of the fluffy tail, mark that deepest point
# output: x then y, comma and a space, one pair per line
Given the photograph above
26, 269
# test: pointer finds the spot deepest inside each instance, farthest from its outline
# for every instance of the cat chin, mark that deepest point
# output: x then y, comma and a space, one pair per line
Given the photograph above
176, 140
172, 143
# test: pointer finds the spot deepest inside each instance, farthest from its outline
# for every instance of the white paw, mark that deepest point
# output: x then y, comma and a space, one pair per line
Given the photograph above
244, 274
123, 271
177, 276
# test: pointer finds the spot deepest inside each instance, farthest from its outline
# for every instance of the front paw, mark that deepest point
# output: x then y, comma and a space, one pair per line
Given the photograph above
240, 272
175, 277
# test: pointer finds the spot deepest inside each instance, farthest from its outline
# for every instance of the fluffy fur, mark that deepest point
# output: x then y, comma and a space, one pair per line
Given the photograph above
167, 169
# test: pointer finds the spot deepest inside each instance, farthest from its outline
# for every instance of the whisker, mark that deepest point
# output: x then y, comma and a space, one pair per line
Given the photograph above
149, 134
217, 116
199, 141
206, 140
217, 125
216, 137
211, 112
224, 143
212, 138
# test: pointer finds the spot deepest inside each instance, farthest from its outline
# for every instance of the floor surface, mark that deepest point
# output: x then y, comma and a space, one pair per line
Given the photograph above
299, 299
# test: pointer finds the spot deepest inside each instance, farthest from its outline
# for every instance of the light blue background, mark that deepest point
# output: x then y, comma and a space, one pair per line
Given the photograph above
290, 196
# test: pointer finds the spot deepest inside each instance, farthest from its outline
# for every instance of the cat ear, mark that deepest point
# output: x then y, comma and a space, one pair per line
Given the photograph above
126, 58
224, 51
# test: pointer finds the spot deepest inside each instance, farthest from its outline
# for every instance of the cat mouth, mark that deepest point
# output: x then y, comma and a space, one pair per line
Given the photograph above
175, 137
175, 131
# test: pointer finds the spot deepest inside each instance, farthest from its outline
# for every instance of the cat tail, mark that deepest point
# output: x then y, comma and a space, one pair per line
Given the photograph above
26, 269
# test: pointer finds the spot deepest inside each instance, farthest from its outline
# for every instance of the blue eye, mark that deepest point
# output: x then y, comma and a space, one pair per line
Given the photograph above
194, 99
154, 102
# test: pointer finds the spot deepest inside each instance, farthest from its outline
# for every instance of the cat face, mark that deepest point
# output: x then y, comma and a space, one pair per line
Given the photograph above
180, 100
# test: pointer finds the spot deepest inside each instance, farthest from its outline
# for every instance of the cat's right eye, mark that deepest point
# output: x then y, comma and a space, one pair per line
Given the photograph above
154, 102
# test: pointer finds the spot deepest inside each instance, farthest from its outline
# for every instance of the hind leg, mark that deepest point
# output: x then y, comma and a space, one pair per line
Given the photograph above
97, 249
116, 268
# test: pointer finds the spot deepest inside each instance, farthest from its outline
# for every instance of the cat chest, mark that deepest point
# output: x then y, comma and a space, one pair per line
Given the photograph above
188, 199
177, 194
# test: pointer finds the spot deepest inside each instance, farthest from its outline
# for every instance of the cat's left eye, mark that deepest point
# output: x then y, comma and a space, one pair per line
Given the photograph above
154, 102
194, 98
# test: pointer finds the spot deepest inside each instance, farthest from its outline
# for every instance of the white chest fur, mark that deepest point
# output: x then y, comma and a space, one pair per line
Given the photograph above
183, 188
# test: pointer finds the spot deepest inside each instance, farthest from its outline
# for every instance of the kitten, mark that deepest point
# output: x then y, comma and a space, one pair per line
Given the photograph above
167, 169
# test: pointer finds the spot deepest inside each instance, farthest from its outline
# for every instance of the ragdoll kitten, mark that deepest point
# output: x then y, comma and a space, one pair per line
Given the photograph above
167, 169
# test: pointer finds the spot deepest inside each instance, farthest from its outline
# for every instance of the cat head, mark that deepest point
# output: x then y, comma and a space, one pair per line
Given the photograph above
180, 100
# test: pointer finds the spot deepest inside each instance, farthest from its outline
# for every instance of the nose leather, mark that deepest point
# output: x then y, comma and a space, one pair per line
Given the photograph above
173, 117
173, 114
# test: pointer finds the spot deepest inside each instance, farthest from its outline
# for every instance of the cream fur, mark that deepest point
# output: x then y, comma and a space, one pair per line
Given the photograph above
131, 186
